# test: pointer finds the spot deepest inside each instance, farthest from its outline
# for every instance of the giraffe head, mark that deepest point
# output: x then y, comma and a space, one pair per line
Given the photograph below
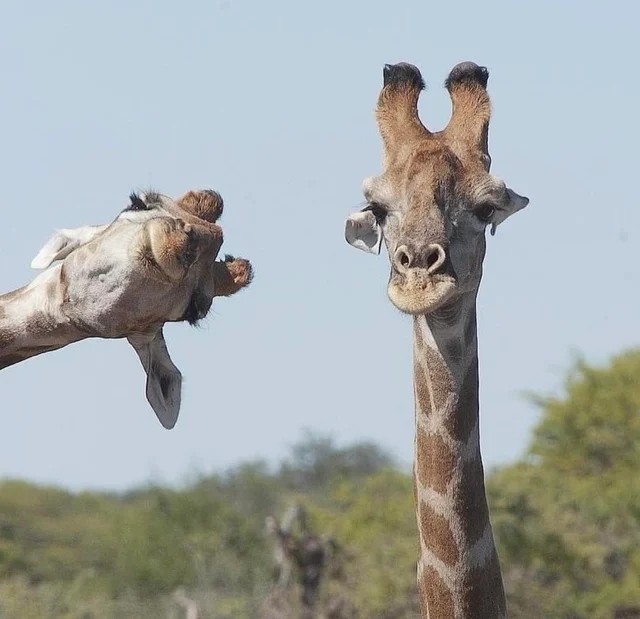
435, 196
155, 263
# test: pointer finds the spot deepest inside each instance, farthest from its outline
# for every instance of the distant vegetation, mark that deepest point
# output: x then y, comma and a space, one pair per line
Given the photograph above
566, 518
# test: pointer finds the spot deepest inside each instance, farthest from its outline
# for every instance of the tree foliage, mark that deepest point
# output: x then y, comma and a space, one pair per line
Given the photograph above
566, 518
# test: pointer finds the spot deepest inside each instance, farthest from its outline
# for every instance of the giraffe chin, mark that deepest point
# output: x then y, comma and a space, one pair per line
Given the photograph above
416, 293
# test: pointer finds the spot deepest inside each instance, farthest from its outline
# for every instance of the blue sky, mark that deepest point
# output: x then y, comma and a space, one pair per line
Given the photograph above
272, 105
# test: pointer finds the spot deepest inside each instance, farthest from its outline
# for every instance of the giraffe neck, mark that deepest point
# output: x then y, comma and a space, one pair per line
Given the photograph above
32, 321
458, 572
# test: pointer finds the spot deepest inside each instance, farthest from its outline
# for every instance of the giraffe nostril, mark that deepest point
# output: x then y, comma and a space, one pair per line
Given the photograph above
402, 259
435, 258
432, 259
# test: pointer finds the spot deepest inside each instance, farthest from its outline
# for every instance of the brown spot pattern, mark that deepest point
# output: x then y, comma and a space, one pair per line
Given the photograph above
437, 534
40, 323
483, 596
435, 461
417, 334
441, 379
438, 595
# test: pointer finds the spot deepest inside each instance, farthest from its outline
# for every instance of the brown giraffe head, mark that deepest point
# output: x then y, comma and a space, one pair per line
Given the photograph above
435, 197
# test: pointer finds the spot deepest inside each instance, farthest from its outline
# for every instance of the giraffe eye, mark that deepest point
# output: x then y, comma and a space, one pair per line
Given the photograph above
484, 212
379, 212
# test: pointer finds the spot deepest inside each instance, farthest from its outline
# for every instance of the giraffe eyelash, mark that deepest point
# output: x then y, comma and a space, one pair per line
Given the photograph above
136, 203
378, 210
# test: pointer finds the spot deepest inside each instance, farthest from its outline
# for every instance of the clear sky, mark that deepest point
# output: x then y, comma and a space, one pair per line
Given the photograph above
271, 103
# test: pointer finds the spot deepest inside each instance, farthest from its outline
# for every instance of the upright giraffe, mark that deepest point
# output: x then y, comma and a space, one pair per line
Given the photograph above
431, 206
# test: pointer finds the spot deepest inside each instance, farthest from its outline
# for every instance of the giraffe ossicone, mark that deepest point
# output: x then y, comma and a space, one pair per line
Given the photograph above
155, 263
431, 207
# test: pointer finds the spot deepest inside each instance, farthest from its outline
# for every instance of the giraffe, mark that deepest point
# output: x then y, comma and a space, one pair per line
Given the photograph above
305, 551
155, 263
303, 555
431, 206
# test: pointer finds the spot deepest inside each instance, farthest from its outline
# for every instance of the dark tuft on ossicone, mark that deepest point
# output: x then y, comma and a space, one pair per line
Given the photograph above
402, 75
469, 73
136, 202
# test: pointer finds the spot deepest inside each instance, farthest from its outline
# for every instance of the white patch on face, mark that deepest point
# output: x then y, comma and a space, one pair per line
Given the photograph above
367, 186
63, 242
363, 232
140, 217
375, 190
158, 208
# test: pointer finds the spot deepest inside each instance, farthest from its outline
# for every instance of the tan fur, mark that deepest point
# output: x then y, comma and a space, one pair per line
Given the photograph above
231, 276
398, 120
436, 462
448, 471
467, 131
168, 243
440, 541
432, 587
207, 205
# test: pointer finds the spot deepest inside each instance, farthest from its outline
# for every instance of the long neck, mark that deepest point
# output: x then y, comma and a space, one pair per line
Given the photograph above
458, 572
32, 321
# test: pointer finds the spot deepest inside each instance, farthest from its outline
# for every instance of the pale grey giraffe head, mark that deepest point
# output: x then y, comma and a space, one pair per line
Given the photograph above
435, 196
155, 263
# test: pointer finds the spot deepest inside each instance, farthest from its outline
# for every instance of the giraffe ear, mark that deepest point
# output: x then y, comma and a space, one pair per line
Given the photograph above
164, 381
62, 243
514, 203
362, 231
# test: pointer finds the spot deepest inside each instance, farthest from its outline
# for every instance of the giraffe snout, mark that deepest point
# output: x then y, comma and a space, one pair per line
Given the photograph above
431, 258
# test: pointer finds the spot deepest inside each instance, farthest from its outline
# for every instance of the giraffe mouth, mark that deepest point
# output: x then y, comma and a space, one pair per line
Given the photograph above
417, 292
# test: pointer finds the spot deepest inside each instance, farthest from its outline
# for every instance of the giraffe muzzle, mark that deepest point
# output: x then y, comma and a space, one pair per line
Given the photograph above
420, 285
